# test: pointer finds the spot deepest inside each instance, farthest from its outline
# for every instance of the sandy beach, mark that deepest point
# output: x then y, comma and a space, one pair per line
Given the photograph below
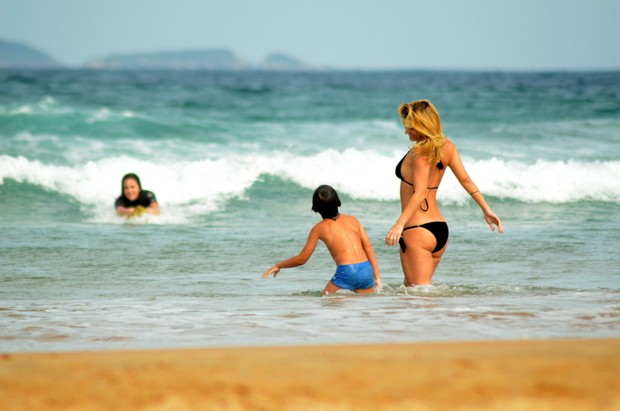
506, 375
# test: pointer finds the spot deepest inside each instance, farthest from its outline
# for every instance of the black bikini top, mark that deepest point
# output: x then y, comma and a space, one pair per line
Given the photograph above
399, 174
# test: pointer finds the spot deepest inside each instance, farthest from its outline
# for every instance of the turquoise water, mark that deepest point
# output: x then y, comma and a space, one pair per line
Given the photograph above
233, 159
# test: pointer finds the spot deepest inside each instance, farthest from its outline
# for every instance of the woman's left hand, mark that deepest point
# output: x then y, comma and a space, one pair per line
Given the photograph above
493, 220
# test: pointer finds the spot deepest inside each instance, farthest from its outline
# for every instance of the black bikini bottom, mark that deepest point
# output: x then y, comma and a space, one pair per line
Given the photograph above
438, 228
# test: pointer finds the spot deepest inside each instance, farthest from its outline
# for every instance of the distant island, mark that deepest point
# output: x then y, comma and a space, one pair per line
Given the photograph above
206, 59
280, 61
213, 59
16, 55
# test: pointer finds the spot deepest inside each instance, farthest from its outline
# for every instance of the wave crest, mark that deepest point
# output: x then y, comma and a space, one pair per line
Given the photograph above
201, 187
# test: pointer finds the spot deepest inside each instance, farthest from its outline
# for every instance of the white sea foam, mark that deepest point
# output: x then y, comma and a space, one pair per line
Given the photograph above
200, 187
46, 105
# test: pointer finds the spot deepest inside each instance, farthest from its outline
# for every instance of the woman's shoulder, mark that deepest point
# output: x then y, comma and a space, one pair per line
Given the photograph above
450, 152
449, 147
148, 194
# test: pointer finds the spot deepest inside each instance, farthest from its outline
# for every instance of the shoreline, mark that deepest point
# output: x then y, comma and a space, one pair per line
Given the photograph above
470, 375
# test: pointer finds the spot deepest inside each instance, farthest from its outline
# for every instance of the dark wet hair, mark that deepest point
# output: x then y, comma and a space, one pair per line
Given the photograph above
130, 176
325, 201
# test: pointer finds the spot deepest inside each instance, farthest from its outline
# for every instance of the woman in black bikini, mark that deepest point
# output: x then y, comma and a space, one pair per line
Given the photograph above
421, 230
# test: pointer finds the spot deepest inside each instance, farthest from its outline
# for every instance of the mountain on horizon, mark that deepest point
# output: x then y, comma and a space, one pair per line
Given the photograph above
201, 59
281, 61
205, 59
22, 56
18, 55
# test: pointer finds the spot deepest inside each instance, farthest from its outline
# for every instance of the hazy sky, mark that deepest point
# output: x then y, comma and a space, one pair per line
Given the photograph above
381, 34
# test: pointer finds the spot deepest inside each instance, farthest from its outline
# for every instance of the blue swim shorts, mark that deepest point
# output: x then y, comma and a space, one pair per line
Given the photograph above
354, 276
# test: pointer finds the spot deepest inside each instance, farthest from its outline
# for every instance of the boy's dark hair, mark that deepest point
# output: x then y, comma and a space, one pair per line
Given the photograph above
325, 201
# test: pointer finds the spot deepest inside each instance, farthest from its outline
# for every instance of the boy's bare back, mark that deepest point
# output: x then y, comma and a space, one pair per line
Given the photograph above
345, 239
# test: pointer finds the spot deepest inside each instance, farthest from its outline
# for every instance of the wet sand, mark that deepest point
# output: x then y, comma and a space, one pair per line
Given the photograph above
499, 375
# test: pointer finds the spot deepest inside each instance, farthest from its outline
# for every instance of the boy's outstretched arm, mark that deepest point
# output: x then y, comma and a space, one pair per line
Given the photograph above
299, 259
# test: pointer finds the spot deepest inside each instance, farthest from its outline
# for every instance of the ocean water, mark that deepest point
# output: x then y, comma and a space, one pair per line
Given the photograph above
234, 158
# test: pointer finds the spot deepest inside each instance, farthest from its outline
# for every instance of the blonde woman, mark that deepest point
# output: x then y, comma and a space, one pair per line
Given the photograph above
421, 229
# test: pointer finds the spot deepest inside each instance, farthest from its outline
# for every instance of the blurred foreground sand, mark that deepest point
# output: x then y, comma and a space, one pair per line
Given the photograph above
501, 375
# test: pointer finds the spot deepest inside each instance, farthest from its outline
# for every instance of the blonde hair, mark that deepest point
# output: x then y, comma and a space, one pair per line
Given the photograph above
423, 117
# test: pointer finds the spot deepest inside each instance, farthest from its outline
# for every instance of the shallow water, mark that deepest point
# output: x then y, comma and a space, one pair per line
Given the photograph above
233, 159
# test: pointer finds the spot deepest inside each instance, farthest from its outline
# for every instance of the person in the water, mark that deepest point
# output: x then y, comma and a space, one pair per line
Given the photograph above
421, 230
357, 269
134, 200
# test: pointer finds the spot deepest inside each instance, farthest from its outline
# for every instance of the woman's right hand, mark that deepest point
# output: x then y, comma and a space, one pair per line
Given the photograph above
394, 234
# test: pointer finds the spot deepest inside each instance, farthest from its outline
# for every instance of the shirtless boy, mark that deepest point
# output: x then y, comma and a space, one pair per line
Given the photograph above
357, 269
